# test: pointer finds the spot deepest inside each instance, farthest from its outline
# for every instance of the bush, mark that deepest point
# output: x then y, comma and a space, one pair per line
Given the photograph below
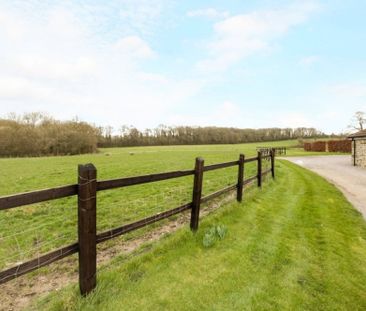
340, 146
330, 146
319, 146
307, 146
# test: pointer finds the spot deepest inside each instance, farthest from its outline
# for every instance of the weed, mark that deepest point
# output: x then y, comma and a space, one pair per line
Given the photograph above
213, 234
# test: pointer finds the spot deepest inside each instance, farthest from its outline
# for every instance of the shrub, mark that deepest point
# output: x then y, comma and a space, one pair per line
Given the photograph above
307, 146
319, 146
330, 146
340, 146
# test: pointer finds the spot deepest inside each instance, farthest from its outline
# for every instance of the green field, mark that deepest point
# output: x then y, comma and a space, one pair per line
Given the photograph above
29, 231
32, 230
297, 244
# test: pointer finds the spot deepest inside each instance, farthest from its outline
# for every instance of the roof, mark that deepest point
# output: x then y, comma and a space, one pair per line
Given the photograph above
358, 134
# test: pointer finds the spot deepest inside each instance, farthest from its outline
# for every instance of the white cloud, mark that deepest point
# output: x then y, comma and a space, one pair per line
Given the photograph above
23, 89
328, 107
10, 28
239, 36
210, 13
293, 120
52, 68
64, 25
141, 15
69, 61
309, 60
61, 64
223, 114
133, 47
340, 101
350, 90
152, 77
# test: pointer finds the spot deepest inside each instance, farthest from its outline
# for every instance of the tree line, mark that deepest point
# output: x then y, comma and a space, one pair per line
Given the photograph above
188, 135
36, 134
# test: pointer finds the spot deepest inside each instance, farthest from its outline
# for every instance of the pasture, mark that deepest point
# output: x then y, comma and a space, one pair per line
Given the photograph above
30, 231
299, 245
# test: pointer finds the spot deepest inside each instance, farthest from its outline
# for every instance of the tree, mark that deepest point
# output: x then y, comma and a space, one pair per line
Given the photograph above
35, 134
358, 121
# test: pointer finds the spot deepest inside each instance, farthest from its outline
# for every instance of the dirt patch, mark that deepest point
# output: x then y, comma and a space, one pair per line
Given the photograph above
19, 293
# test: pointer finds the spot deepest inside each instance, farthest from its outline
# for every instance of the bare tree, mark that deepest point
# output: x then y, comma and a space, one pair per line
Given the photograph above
358, 121
35, 134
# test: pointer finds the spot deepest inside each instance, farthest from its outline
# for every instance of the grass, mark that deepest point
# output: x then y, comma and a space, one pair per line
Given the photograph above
32, 230
29, 231
297, 244
35, 229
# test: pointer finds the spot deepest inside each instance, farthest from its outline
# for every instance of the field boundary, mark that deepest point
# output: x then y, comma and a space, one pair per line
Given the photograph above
86, 189
267, 150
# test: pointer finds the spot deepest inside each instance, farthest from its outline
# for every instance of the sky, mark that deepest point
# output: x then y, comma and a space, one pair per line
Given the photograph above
246, 64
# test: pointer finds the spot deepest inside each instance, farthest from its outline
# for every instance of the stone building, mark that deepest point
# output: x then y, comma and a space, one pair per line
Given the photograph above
358, 148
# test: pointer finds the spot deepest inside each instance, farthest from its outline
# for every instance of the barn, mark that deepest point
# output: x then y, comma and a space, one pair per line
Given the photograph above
358, 148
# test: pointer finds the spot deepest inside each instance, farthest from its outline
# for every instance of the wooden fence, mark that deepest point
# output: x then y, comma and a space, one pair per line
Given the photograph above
86, 189
266, 151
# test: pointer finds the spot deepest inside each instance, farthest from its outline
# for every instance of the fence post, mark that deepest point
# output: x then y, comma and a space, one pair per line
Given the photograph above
259, 169
273, 156
87, 229
239, 194
197, 192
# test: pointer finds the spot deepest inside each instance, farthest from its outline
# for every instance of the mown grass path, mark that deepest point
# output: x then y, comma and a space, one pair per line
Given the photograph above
297, 244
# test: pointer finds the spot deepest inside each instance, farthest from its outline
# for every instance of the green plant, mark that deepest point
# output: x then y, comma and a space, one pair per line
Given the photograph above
221, 231
214, 233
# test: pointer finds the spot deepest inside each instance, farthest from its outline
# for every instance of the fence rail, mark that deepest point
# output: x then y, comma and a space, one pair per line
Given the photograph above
86, 190
266, 151
26, 198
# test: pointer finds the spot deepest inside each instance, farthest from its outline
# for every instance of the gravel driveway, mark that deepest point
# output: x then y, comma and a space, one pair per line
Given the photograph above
339, 171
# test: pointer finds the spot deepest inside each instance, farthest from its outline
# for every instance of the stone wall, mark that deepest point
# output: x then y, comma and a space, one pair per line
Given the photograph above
360, 152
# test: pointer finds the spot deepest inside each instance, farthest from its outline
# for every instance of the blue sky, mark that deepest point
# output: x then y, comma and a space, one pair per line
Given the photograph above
224, 63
